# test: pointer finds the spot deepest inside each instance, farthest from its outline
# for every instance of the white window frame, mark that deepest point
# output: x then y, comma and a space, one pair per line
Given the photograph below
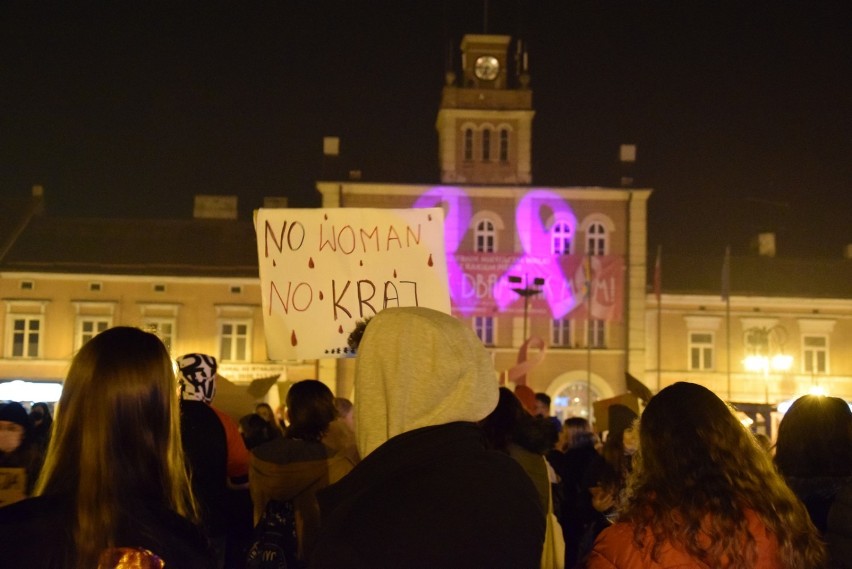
699, 351
811, 363
486, 329
561, 238
561, 333
485, 236
11, 333
224, 336
155, 325
597, 239
82, 335
596, 333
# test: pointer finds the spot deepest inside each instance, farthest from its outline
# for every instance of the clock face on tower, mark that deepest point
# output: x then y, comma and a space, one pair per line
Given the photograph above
486, 67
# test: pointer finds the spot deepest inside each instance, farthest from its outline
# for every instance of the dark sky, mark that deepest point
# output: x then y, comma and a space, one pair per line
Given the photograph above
741, 111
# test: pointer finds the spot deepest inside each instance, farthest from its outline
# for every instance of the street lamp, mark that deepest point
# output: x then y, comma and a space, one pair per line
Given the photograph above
765, 347
528, 291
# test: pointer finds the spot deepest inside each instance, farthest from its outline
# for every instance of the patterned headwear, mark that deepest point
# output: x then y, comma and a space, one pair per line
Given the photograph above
197, 374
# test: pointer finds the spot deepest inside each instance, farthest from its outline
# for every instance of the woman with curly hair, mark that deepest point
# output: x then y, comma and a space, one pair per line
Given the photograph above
703, 494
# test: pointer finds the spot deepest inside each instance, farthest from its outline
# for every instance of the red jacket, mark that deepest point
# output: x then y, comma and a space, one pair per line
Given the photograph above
615, 549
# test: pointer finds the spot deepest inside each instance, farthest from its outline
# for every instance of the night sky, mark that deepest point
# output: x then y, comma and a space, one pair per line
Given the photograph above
741, 111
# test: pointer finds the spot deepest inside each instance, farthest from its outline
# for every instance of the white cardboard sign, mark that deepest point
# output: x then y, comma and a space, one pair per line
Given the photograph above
323, 270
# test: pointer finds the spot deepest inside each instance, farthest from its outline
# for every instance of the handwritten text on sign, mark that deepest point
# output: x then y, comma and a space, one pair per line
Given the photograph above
323, 270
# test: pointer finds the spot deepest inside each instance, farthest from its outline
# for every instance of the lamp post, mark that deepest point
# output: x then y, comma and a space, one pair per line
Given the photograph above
528, 291
765, 352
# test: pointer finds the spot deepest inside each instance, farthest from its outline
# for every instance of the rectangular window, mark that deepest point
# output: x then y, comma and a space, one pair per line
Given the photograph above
700, 351
486, 145
235, 341
95, 287
468, 145
88, 327
25, 337
484, 328
596, 337
27, 285
504, 145
815, 354
164, 329
560, 333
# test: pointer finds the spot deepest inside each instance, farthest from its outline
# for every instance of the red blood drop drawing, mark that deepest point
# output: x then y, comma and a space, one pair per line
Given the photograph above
429, 217
340, 329
320, 295
311, 263
361, 263
394, 273
274, 264
325, 216
430, 263
293, 339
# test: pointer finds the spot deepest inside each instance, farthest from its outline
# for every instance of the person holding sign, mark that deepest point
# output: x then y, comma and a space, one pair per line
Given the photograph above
114, 486
427, 493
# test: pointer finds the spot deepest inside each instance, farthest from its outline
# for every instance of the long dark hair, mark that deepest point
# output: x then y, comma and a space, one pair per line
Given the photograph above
815, 438
698, 469
116, 437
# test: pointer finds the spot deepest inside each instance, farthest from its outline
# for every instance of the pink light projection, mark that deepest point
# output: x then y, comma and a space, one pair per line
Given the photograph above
532, 213
457, 216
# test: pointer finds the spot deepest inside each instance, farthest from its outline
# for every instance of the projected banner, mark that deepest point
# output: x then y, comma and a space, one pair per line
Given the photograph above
481, 286
323, 270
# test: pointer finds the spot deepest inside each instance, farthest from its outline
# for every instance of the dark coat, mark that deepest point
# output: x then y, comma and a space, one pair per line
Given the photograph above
35, 533
432, 497
839, 528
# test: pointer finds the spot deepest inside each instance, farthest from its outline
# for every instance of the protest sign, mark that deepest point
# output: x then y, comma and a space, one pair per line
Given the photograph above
323, 270
13, 485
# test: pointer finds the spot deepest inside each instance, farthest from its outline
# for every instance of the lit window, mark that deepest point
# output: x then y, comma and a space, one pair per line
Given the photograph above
468, 144
560, 333
88, 327
701, 351
164, 329
25, 336
486, 145
484, 328
485, 236
815, 354
574, 401
234, 341
504, 145
560, 239
596, 240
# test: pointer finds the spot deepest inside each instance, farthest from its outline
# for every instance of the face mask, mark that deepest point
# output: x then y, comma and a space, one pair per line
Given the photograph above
10, 440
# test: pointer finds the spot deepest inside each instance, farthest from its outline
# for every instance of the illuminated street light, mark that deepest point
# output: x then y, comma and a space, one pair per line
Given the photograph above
527, 292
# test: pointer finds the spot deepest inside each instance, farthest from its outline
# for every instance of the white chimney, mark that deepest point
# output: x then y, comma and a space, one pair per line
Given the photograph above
766, 244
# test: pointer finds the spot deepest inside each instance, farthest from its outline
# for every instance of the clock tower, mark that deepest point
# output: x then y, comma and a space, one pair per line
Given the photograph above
485, 122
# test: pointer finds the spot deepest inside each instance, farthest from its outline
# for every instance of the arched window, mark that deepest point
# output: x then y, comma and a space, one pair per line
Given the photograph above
560, 239
576, 400
485, 236
504, 145
596, 239
486, 145
468, 144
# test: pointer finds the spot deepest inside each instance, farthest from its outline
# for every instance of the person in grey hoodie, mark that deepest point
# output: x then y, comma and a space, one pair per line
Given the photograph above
427, 492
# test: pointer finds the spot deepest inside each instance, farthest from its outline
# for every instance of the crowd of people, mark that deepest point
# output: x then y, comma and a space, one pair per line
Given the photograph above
434, 465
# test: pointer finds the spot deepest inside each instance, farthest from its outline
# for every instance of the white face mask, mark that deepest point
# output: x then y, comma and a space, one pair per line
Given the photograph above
10, 440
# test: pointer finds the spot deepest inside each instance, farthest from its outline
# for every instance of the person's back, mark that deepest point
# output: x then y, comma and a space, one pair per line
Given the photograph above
114, 478
427, 493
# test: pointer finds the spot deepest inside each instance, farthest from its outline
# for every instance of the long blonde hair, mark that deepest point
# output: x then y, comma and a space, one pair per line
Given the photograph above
116, 437
698, 470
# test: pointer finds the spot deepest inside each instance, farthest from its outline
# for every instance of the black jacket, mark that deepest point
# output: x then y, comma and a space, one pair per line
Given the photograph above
432, 497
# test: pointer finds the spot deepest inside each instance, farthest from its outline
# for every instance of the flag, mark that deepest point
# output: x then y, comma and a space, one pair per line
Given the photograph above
726, 274
658, 273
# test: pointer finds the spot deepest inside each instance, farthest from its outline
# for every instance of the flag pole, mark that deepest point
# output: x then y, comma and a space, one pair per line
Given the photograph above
658, 281
726, 296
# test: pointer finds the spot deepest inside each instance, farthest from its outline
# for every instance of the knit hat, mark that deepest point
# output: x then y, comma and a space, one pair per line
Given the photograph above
621, 418
417, 367
14, 412
197, 375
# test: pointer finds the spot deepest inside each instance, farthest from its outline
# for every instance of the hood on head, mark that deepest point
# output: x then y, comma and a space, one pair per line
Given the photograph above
417, 367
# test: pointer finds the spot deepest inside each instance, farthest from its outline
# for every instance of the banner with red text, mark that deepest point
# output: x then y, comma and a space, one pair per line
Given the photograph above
323, 270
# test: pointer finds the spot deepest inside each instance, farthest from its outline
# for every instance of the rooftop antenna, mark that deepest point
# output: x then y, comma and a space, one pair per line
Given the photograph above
484, 16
